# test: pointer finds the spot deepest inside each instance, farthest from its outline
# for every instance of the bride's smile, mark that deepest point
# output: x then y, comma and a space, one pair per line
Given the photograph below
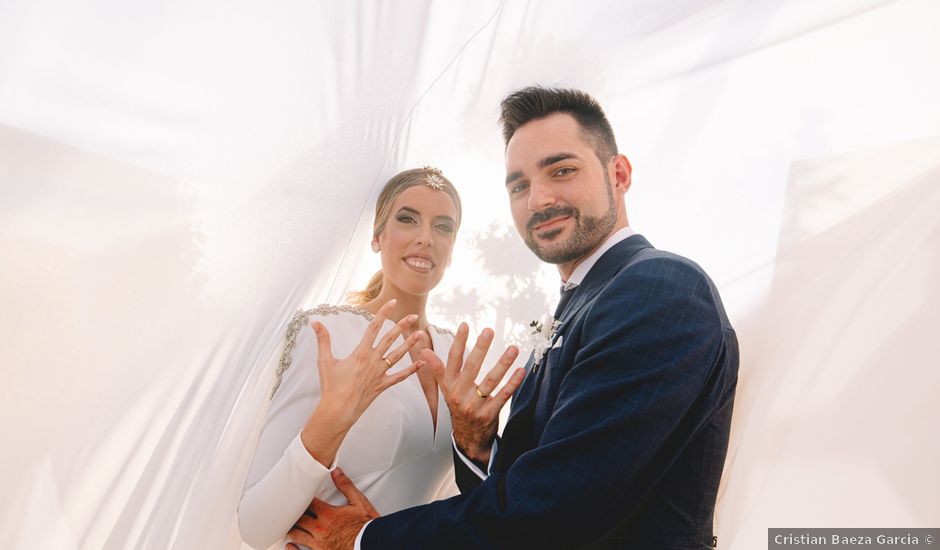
421, 264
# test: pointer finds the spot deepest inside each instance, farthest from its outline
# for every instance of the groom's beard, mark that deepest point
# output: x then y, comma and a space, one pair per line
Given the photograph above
588, 233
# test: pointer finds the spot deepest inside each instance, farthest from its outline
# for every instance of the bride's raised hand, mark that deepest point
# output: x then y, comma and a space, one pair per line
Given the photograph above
349, 385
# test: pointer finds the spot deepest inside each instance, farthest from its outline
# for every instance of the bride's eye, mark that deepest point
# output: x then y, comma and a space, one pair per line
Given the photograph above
406, 219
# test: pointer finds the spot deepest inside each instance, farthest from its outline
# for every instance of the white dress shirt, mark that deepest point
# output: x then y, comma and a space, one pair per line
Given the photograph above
581, 271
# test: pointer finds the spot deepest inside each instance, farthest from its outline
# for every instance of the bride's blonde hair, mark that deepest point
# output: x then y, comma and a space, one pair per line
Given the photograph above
432, 177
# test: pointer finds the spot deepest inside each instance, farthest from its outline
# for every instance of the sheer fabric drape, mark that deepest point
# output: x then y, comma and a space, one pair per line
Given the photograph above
177, 179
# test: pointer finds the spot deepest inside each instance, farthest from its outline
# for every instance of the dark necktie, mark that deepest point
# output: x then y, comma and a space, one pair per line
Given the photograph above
565, 298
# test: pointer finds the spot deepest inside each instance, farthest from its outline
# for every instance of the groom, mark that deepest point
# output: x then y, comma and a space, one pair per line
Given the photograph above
618, 434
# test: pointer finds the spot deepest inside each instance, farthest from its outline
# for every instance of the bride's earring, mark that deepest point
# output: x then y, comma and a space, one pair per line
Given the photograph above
375, 246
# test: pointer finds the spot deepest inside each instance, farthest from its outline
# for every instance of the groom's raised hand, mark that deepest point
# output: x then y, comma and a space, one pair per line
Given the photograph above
474, 409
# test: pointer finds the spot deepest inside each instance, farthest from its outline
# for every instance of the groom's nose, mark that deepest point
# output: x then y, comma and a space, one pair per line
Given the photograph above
541, 195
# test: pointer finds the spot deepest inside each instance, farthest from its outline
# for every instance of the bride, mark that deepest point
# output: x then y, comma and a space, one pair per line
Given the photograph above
345, 396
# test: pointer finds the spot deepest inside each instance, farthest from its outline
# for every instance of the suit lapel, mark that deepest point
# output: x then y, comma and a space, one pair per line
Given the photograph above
595, 280
520, 435
601, 273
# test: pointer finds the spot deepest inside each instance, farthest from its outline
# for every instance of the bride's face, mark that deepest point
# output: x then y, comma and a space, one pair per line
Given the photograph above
418, 239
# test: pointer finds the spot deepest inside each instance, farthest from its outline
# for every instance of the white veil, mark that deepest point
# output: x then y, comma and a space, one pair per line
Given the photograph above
176, 179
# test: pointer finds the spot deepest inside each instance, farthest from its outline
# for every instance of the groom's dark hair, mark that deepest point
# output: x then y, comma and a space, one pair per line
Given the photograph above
537, 102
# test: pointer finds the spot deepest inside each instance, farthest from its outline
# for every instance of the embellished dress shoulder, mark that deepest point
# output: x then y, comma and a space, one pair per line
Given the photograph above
301, 319
394, 453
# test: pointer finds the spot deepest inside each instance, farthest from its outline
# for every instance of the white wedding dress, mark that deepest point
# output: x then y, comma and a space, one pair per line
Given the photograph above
393, 453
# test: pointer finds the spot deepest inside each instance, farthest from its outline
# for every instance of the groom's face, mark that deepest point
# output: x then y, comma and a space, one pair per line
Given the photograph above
559, 191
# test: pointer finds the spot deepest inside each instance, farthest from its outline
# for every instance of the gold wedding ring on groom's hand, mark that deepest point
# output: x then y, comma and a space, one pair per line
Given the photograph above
481, 394
387, 362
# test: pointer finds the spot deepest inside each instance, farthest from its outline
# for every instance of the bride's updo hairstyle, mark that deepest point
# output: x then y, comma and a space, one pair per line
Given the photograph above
429, 176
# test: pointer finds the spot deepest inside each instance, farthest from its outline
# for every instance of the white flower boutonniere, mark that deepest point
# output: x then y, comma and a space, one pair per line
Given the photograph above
541, 334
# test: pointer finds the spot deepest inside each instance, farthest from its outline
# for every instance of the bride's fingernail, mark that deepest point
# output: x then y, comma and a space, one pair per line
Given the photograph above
412, 318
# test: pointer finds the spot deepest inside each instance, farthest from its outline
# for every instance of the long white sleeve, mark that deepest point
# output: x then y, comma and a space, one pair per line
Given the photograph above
270, 507
284, 477
392, 453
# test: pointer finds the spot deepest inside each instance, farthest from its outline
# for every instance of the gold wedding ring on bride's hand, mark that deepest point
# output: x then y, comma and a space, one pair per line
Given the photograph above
387, 362
481, 394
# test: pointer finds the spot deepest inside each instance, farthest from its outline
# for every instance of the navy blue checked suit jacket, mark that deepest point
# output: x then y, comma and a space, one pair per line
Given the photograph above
619, 438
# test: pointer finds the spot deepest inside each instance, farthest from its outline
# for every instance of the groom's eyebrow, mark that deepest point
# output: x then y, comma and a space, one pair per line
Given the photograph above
550, 160
544, 163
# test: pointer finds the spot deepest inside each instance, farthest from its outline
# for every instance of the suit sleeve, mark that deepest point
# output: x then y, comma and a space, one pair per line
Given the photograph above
466, 476
469, 473
646, 347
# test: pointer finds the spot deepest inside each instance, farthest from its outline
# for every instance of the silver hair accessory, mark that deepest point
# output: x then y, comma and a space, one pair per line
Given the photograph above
434, 178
